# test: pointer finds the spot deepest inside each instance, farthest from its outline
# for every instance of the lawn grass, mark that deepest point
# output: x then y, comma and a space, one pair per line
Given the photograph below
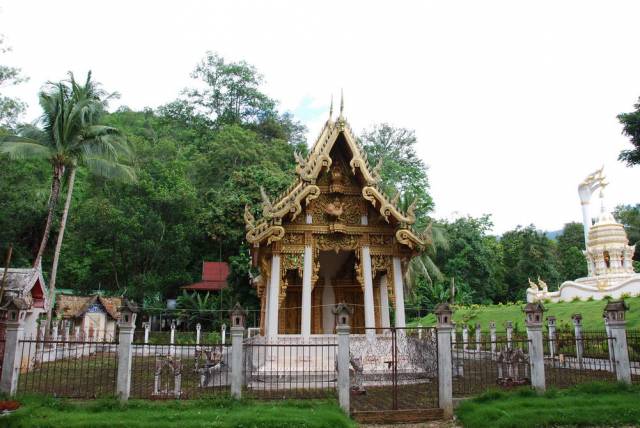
43, 411
593, 404
591, 315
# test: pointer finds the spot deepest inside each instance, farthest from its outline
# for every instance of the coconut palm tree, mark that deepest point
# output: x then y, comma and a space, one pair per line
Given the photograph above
423, 264
70, 135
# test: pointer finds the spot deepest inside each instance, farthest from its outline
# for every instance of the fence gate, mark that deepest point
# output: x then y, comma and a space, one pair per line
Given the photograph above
394, 375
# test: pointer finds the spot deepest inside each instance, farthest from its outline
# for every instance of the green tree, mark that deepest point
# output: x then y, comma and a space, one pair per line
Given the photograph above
528, 253
404, 172
629, 216
70, 136
474, 259
10, 108
631, 128
572, 263
231, 93
402, 168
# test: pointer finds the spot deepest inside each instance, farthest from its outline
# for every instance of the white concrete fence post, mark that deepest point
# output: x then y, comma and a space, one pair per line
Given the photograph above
126, 328
13, 320
551, 326
453, 335
492, 333
577, 328
237, 336
445, 360
465, 337
54, 337
343, 358
343, 330
478, 337
509, 328
223, 333
615, 314
172, 339
67, 328
147, 328
533, 320
237, 315
198, 328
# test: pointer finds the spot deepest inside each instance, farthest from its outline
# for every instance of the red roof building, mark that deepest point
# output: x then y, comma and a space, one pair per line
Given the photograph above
214, 277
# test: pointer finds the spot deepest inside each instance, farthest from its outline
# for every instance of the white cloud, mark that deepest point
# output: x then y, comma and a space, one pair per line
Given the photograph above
513, 102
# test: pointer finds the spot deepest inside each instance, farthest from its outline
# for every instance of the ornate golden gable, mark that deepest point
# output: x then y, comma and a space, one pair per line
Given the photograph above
352, 179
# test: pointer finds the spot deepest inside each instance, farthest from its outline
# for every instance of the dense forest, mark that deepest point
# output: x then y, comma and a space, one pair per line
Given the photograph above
196, 161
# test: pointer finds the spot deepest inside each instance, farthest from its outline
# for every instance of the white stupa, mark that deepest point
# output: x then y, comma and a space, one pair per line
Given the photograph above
609, 256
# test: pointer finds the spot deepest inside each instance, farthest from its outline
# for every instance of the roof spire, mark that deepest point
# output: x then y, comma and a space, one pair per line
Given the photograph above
331, 109
341, 102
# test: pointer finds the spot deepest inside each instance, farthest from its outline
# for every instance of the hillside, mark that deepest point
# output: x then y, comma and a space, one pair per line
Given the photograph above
591, 315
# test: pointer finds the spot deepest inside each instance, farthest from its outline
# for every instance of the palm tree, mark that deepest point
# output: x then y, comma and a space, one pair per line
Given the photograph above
70, 136
423, 264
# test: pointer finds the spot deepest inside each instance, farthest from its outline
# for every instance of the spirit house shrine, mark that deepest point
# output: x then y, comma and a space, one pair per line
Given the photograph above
333, 236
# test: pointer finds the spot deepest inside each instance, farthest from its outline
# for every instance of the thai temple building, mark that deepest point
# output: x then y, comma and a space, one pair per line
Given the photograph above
608, 253
333, 236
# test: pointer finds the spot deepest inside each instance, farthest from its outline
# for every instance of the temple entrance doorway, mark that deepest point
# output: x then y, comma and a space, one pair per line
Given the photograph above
337, 282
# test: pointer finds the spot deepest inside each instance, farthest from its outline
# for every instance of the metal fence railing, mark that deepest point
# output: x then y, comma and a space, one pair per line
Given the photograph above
178, 371
398, 370
478, 366
570, 360
290, 369
68, 369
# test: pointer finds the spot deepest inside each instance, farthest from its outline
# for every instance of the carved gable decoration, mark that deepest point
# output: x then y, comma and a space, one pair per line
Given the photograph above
336, 186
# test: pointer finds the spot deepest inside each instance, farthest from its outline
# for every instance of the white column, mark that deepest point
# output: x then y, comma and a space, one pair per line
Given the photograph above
274, 296
369, 313
305, 328
328, 301
267, 287
198, 328
398, 288
384, 303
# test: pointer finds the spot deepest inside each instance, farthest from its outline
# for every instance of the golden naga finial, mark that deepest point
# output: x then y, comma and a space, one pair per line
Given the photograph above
377, 170
411, 211
395, 199
266, 203
299, 159
249, 219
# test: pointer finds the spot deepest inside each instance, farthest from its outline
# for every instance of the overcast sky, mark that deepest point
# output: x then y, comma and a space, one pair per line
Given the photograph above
513, 103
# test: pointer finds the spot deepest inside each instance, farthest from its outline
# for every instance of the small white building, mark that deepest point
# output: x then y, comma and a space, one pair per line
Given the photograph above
95, 317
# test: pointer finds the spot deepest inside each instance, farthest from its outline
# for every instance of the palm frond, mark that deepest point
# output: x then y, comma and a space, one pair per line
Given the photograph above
25, 149
110, 169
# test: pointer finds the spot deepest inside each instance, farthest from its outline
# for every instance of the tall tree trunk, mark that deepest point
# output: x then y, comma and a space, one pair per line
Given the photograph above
58, 170
56, 254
